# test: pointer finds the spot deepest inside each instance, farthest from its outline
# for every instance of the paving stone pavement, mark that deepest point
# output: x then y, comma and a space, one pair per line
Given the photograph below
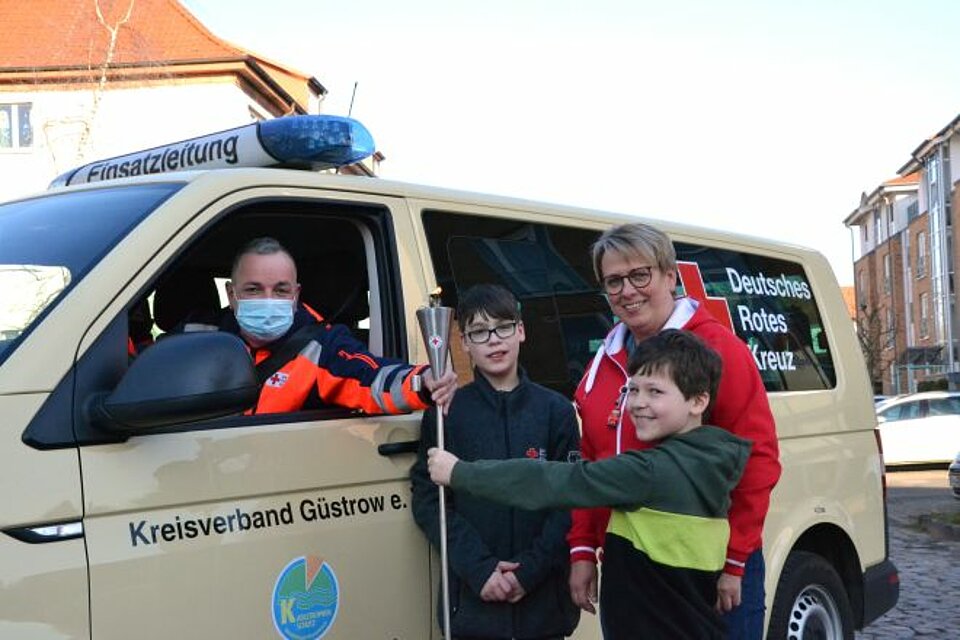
929, 605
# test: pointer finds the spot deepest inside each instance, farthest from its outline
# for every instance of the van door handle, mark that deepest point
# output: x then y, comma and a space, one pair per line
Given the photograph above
397, 448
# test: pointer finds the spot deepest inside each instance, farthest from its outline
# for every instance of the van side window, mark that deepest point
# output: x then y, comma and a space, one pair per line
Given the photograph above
547, 267
770, 305
345, 268
335, 248
768, 302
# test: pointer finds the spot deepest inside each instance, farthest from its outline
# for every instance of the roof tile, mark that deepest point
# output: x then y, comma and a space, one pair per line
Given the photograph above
911, 178
68, 33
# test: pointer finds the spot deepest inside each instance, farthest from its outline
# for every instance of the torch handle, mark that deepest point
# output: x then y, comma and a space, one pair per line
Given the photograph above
444, 558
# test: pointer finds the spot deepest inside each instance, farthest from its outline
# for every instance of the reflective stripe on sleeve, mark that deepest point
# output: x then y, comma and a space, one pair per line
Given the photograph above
191, 327
312, 352
397, 395
378, 386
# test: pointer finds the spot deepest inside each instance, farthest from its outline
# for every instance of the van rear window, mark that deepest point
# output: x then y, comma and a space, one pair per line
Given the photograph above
770, 304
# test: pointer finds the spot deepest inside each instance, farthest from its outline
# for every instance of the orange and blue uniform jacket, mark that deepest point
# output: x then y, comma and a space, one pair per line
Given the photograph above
331, 368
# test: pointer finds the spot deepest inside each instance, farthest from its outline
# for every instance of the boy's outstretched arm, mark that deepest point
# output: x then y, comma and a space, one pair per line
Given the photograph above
549, 485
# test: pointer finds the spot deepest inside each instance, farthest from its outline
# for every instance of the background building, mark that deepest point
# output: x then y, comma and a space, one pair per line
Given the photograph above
904, 276
86, 79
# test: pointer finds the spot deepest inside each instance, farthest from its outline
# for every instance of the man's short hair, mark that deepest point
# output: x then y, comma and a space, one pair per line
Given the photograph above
693, 366
492, 300
262, 246
635, 239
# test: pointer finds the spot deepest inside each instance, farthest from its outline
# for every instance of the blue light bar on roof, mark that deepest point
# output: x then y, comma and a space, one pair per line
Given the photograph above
310, 142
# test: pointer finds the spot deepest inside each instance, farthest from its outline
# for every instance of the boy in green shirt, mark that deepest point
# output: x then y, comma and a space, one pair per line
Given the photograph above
667, 537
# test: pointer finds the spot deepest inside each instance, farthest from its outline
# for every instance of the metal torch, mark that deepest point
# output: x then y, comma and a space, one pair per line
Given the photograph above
434, 323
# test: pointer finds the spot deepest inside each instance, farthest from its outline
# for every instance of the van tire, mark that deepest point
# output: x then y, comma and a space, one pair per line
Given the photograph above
810, 601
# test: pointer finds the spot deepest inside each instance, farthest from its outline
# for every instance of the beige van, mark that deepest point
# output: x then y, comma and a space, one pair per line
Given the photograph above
138, 501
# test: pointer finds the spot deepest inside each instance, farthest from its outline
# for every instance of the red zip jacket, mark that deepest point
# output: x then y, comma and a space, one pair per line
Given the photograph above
332, 368
740, 407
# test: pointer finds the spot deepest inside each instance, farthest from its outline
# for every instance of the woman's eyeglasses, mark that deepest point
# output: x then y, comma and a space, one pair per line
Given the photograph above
481, 336
639, 278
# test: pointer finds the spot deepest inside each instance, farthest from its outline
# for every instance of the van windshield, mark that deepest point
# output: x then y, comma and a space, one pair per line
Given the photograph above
48, 243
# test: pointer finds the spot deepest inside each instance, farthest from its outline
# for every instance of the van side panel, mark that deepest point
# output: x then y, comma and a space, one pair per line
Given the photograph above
44, 585
830, 496
191, 546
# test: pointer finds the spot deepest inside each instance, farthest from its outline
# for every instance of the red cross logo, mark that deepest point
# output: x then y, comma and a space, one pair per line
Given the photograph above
436, 342
692, 281
277, 380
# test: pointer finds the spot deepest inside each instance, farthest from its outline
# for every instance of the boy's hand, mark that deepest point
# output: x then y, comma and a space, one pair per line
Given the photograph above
502, 585
728, 592
440, 464
583, 585
516, 589
442, 389
497, 588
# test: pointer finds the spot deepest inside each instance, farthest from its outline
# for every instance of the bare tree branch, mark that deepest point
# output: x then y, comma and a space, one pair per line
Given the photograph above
114, 31
874, 342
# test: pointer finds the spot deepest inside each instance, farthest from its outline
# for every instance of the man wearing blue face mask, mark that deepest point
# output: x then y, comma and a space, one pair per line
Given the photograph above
304, 362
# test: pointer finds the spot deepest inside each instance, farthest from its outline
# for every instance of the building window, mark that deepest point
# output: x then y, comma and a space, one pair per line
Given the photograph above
921, 254
886, 274
878, 225
924, 315
16, 131
889, 333
890, 219
911, 325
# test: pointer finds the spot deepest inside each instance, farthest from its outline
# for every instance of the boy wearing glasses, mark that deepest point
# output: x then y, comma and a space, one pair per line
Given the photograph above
508, 567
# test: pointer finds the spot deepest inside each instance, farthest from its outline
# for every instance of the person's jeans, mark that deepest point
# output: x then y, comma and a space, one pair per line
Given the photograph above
745, 622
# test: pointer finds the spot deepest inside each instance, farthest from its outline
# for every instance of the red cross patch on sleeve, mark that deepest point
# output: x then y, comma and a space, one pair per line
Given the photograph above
277, 380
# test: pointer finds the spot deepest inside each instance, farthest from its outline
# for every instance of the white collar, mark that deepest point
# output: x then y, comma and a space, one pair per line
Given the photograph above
683, 310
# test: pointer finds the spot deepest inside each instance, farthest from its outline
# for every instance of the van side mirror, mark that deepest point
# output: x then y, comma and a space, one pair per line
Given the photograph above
182, 378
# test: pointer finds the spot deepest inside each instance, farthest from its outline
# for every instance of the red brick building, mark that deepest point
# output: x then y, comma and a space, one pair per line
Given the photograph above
905, 290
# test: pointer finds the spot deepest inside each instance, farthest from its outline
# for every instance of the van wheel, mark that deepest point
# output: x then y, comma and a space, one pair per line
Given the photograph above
810, 603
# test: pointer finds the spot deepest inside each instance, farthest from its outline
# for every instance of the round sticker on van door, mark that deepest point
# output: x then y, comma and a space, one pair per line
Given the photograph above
305, 599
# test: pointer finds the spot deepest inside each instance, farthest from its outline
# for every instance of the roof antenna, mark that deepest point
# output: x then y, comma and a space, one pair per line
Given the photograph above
352, 96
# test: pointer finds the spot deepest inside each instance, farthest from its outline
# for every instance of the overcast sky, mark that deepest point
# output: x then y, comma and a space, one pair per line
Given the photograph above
763, 117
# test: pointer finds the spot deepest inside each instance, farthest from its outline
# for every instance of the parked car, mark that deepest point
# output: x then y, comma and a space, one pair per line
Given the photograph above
920, 427
954, 476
